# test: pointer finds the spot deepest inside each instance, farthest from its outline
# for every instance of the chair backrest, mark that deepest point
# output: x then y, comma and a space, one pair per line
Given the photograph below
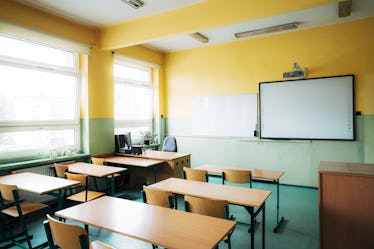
237, 176
157, 197
170, 144
195, 174
204, 206
66, 236
82, 179
98, 160
60, 169
6, 191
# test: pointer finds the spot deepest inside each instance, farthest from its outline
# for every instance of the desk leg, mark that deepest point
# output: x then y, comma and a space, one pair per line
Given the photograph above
263, 227
154, 176
252, 229
279, 222
60, 198
111, 184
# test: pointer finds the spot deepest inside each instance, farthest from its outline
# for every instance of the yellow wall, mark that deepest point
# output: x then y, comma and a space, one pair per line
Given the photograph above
238, 67
101, 84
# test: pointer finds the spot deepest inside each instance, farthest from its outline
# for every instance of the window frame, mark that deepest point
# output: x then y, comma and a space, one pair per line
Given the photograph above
34, 125
127, 124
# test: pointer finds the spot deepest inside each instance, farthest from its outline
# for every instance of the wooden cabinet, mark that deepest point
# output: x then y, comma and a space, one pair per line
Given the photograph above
346, 205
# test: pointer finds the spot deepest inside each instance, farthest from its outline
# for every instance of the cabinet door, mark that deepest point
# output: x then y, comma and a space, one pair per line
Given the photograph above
346, 211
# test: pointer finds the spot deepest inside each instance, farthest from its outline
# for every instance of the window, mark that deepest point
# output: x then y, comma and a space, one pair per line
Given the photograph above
38, 99
133, 98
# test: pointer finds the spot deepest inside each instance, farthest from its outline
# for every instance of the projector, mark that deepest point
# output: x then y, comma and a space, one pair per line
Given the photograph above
295, 74
298, 72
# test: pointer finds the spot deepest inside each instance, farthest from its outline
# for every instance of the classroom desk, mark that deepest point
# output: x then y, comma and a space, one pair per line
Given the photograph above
97, 171
165, 227
136, 162
175, 161
271, 176
247, 197
40, 184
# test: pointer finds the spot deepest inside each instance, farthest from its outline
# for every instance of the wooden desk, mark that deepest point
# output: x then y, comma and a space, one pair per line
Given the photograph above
137, 162
248, 197
346, 205
271, 176
40, 184
97, 171
175, 161
165, 227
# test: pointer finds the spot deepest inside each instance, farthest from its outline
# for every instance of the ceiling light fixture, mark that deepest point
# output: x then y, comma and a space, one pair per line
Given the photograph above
292, 25
136, 4
200, 37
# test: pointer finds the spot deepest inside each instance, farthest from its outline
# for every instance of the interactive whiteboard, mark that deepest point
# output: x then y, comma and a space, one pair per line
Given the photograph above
224, 116
319, 108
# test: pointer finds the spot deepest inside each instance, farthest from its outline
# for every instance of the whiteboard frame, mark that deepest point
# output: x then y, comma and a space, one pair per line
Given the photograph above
308, 138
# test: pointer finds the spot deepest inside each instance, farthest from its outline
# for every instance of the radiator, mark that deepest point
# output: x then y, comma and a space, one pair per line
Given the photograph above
43, 170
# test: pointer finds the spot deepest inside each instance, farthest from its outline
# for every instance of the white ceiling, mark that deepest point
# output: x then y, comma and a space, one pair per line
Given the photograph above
106, 12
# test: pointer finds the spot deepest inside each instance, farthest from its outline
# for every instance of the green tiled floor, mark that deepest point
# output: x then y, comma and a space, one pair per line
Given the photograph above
298, 205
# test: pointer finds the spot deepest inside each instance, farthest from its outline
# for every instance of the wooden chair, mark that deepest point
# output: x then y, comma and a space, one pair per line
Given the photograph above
157, 197
84, 195
240, 176
101, 161
67, 236
60, 169
11, 207
195, 174
237, 176
209, 207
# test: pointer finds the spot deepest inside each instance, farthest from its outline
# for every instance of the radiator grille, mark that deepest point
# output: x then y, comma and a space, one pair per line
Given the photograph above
43, 170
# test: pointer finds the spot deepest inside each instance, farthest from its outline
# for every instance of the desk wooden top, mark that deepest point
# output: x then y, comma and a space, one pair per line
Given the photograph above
235, 195
94, 170
36, 183
160, 155
162, 226
270, 175
347, 168
133, 161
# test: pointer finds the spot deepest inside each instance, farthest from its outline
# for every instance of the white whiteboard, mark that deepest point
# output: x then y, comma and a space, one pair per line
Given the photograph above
320, 108
224, 116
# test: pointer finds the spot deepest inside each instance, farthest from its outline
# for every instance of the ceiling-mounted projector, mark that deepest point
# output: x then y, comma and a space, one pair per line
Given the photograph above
297, 72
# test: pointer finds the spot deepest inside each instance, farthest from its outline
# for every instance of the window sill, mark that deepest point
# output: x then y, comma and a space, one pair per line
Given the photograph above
38, 162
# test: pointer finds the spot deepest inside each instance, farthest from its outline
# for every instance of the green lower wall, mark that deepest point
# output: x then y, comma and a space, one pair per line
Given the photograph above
299, 159
369, 138
98, 136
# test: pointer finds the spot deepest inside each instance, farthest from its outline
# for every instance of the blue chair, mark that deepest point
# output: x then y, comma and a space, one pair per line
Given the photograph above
170, 144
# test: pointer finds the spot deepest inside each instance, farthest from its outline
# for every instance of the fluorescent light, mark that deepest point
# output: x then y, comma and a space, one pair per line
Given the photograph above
200, 37
136, 4
292, 25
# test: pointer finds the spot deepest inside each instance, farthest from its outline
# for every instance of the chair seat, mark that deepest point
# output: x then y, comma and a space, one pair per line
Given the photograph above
27, 207
99, 245
81, 196
115, 175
